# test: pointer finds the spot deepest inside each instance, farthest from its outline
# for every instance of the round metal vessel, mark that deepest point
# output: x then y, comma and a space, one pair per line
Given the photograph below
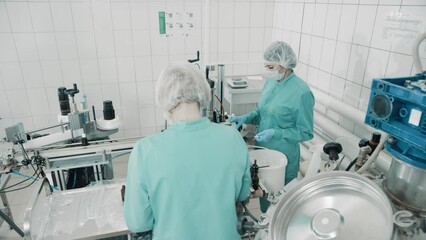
406, 185
333, 205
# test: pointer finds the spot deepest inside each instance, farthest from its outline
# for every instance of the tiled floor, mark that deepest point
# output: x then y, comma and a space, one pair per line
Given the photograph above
19, 199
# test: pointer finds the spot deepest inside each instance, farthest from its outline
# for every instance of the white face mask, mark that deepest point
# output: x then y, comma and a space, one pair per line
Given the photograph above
276, 76
272, 72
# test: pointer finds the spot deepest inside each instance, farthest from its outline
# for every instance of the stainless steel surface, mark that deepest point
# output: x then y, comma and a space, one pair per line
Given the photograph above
333, 205
406, 184
94, 212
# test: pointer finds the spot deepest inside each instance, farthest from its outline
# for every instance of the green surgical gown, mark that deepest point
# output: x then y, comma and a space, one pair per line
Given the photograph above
184, 182
287, 107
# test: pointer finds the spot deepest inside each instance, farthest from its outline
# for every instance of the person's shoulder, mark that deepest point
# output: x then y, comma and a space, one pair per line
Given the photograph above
150, 140
301, 85
225, 130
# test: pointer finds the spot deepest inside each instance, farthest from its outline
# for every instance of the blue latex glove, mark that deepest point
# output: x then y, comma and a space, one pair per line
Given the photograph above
239, 121
265, 136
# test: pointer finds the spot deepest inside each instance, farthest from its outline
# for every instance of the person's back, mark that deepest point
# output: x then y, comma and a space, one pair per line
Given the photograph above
194, 176
184, 183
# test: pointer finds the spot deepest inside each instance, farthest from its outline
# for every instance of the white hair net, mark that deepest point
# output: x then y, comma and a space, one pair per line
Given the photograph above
182, 83
282, 54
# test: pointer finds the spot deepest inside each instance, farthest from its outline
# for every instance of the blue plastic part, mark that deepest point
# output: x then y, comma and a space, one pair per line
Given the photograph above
390, 107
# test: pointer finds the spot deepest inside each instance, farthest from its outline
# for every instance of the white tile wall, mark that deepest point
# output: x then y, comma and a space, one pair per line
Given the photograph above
141, 43
332, 21
121, 19
86, 45
354, 47
38, 101
7, 48
19, 15
143, 68
241, 16
67, 45
71, 72
82, 16
108, 70
347, 23
257, 14
376, 65
105, 46
52, 73
357, 64
46, 45
399, 65
62, 16
12, 75
4, 18
364, 29
319, 20
147, 117
102, 18
123, 43
145, 93
33, 77
126, 69
226, 13
90, 71
327, 56
341, 59
41, 16
112, 49
18, 101
26, 46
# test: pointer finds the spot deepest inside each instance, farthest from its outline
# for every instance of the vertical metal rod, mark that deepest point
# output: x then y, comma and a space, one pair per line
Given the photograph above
58, 181
95, 173
61, 175
11, 224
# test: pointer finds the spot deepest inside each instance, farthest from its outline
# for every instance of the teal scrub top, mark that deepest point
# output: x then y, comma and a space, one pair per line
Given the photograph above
287, 107
184, 183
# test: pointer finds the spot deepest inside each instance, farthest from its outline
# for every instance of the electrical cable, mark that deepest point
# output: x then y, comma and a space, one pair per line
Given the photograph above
20, 182
119, 155
351, 164
249, 213
222, 110
30, 177
13, 190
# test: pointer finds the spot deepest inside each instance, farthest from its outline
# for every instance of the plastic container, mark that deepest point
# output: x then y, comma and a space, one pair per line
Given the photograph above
272, 166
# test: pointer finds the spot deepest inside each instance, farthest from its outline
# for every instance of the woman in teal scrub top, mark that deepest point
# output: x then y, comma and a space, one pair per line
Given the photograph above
184, 183
284, 114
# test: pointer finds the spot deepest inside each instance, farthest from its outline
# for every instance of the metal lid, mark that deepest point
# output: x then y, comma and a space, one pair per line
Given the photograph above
333, 205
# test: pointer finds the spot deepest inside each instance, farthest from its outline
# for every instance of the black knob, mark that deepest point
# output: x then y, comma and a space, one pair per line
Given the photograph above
332, 149
109, 112
64, 101
254, 170
376, 137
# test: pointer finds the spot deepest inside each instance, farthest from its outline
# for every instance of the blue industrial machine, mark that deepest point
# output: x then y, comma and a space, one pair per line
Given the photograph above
398, 107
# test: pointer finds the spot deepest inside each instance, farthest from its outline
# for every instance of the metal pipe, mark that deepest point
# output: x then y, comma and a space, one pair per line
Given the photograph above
415, 53
42, 129
220, 81
342, 108
331, 129
11, 224
305, 154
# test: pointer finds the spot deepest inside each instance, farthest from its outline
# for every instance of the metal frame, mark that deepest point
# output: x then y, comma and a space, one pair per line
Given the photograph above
5, 207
